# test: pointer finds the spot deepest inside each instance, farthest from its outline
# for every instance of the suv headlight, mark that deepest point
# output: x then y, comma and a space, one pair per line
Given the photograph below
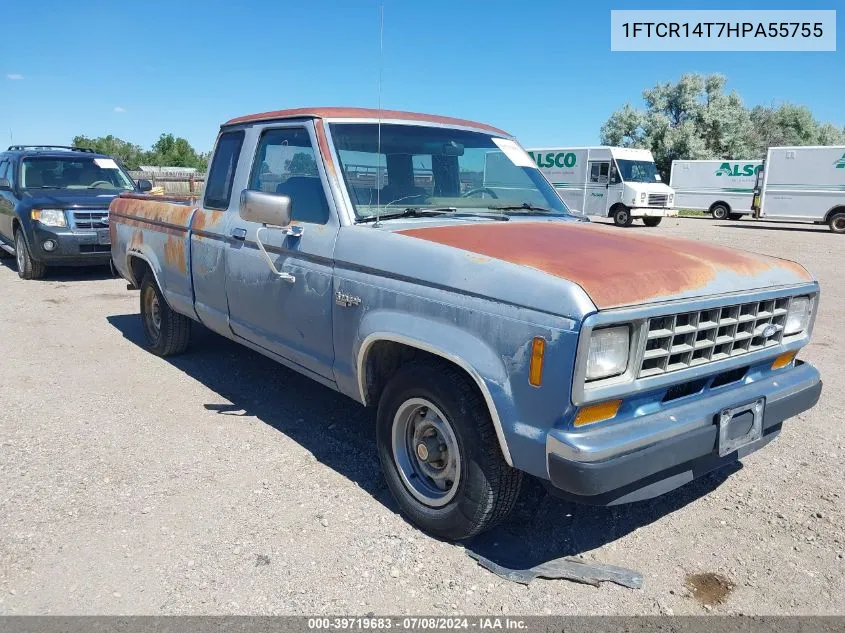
608, 352
798, 316
49, 217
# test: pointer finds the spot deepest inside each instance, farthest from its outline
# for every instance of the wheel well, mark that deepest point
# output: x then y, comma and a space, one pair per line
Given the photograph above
138, 268
384, 358
15, 225
834, 211
719, 203
618, 205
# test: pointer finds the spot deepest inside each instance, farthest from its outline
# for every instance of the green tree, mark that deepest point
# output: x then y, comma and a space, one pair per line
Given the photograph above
302, 163
175, 151
695, 118
128, 153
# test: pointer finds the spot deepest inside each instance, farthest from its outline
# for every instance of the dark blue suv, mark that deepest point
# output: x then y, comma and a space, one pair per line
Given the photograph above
54, 203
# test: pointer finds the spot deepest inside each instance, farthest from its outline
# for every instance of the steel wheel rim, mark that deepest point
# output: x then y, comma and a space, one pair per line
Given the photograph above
839, 224
426, 453
623, 217
152, 310
720, 213
19, 246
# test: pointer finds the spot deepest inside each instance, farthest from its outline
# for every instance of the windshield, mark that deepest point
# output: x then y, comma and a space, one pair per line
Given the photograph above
72, 172
422, 167
638, 170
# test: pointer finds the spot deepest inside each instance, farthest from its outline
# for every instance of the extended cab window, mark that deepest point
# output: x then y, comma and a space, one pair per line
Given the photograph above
286, 164
218, 188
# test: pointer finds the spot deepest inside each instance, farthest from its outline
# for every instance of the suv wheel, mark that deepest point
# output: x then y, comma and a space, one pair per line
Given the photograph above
622, 217
28, 268
439, 452
167, 332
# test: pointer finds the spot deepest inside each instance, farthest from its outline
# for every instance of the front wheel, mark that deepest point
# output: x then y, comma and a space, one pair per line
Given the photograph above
652, 221
28, 268
622, 217
167, 332
734, 216
837, 222
439, 452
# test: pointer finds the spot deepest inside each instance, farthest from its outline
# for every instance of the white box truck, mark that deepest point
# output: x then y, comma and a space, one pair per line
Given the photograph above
617, 182
723, 188
803, 184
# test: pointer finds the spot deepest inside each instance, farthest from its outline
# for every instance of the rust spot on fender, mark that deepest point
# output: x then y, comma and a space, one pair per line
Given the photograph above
206, 219
616, 268
174, 254
136, 241
169, 210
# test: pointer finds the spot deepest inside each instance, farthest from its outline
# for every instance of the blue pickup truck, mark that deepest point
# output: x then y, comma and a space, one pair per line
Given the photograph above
495, 333
54, 202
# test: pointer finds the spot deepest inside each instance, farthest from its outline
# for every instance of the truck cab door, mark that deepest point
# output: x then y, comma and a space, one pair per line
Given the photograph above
289, 314
598, 179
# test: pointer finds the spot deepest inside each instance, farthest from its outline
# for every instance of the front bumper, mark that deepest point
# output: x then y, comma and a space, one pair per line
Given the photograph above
74, 247
656, 453
653, 212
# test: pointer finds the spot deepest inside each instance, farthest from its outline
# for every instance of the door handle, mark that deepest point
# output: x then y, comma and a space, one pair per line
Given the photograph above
239, 234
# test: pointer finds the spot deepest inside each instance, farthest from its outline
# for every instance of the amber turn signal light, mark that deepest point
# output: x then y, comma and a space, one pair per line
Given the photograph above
597, 412
784, 359
535, 370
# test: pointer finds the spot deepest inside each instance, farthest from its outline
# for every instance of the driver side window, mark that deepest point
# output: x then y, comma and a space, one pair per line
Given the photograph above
286, 164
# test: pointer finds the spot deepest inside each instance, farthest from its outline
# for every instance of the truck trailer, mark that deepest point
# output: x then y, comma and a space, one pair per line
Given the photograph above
723, 188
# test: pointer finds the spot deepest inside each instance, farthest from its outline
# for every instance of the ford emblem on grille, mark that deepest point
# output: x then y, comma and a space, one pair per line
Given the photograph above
766, 330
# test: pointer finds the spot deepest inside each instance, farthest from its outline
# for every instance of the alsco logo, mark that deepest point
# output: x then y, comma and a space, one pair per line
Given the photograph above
749, 169
561, 159
840, 164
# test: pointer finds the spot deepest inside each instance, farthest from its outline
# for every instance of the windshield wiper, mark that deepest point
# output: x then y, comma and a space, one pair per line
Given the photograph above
410, 212
525, 206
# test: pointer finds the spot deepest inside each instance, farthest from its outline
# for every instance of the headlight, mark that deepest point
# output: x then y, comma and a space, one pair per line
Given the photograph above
642, 196
798, 316
49, 217
671, 199
608, 352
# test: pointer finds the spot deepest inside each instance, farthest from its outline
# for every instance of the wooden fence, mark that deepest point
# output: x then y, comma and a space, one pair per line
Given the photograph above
173, 182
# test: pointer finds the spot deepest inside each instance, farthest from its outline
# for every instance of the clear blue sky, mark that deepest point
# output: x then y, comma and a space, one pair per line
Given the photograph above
543, 71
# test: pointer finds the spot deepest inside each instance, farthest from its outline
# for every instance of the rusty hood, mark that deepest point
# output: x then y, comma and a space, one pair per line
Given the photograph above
618, 267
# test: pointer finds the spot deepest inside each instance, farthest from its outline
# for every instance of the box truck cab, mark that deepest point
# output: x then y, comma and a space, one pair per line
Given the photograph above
723, 188
802, 184
617, 182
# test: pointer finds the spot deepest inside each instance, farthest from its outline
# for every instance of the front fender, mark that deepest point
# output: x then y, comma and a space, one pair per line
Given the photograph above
452, 343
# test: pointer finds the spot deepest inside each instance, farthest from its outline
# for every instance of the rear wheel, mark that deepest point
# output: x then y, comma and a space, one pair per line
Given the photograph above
28, 268
652, 221
837, 222
622, 216
439, 452
167, 332
719, 211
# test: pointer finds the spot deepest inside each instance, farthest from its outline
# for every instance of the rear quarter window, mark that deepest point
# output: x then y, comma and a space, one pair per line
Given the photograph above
218, 187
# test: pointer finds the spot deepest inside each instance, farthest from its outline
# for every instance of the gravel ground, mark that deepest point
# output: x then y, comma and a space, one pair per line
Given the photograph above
220, 482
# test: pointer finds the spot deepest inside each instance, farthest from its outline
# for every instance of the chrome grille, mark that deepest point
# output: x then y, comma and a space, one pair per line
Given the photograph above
91, 219
657, 199
690, 339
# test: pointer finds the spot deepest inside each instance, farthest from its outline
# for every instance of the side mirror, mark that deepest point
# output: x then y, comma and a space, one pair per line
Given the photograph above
271, 209
5, 185
144, 185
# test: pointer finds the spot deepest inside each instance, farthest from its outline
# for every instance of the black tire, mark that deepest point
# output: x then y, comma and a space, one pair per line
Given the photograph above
652, 221
167, 332
734, 216
836, 222
720, 211
622, 216
28, 268
486, 488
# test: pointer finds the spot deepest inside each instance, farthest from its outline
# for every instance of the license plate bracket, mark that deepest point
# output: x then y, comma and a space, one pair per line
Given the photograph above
739, 426
103, 237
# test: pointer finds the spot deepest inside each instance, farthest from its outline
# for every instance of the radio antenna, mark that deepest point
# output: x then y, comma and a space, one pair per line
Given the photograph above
378, 142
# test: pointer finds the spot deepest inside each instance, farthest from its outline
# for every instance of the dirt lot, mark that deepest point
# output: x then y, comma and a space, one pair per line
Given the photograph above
220, 482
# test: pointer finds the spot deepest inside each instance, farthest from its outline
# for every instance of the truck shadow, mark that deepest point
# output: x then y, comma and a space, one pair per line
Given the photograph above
341, 435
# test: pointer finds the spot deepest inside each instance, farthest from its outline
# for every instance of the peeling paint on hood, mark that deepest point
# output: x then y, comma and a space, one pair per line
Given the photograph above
619, 267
